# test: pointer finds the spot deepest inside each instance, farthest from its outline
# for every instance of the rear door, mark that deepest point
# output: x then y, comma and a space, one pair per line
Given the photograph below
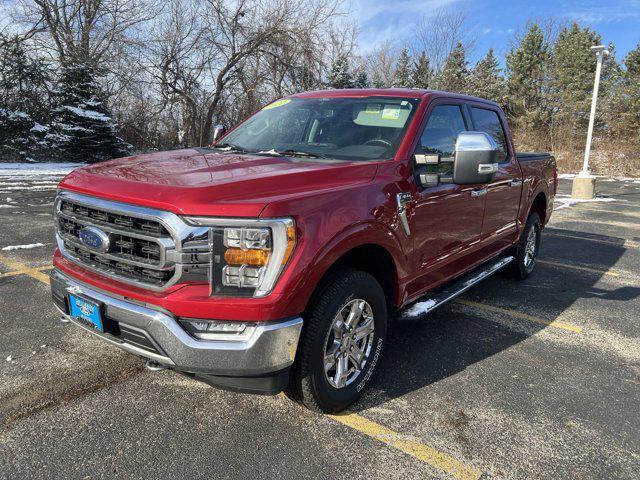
447, 219
504, 192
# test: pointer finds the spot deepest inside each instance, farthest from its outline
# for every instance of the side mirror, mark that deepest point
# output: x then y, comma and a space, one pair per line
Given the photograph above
476, 158
218, 132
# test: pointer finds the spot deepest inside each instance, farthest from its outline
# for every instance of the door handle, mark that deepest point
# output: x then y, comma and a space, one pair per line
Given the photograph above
516, 182
478, 192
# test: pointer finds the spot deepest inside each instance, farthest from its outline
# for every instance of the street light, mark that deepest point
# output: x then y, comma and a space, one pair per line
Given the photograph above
584, 184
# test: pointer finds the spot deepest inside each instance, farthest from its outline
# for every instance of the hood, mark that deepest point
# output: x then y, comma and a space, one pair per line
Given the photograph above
189, 182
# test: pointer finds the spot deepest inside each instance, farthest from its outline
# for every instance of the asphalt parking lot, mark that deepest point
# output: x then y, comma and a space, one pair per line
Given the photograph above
534, 379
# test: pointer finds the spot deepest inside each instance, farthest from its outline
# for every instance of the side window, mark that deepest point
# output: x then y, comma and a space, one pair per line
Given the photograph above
444, 124
488, 121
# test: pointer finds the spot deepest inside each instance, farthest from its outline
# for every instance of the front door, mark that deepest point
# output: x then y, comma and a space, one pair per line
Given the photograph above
447, 218
503, 193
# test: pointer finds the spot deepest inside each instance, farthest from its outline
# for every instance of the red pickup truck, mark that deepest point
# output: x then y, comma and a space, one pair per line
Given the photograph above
275, 258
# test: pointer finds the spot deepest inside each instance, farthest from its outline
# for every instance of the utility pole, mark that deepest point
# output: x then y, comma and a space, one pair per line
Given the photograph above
584, 184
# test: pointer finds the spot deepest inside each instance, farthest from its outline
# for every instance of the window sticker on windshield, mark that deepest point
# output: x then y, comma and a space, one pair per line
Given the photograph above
278, 103
373, 108
391, 112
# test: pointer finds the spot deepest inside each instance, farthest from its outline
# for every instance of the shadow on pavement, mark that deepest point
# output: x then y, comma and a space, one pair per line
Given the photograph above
425, 350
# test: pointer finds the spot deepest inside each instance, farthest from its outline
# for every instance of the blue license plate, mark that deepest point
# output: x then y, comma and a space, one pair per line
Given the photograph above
86, 311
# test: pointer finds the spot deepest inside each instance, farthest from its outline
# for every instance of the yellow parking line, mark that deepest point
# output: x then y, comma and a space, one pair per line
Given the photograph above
624, 243
19, 268
610, 272
439, 460
523, 316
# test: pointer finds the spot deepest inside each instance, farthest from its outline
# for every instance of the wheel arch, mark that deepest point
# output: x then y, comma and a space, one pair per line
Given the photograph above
371, 248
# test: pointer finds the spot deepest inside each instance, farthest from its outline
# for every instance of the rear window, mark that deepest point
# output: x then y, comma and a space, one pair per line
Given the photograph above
488, 121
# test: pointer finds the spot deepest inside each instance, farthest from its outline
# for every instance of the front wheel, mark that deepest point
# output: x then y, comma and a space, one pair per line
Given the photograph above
343, 335
526, 250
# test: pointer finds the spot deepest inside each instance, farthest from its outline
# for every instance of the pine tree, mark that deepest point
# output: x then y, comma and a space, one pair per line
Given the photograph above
485, 80
340, 75
455, 74
573, 69
527, 66
629, 114
83, 129
421, 72
24, 101
403, 70
361, 80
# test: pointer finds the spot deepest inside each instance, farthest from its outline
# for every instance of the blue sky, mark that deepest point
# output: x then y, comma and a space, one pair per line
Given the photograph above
493, 23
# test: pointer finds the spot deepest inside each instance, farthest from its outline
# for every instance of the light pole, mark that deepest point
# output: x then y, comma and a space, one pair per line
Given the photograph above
584, 184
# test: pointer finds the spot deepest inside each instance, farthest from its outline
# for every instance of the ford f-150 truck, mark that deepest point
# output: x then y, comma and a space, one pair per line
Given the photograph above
275, 258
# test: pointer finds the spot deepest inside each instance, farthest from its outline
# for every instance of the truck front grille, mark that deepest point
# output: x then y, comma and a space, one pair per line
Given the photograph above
138, 246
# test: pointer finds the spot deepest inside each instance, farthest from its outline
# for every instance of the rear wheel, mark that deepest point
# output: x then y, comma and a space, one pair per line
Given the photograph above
526, 251
343, 335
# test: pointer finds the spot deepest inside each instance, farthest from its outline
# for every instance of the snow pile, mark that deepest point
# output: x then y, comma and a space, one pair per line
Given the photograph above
22, 247
419, 308
566, 201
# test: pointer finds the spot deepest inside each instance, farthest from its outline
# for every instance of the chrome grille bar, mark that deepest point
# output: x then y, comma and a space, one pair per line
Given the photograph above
148, 248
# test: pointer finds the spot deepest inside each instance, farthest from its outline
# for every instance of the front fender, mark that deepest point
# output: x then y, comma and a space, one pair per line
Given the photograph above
317, 266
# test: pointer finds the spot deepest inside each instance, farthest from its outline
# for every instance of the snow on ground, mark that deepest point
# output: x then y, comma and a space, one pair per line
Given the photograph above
600, 178
418, 309
566, 201
22, 247
36, 169
37, 177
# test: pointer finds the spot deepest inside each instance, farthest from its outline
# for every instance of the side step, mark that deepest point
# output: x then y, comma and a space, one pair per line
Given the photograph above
433, 300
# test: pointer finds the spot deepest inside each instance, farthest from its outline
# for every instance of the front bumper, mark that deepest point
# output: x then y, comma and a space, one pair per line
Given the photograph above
155, 334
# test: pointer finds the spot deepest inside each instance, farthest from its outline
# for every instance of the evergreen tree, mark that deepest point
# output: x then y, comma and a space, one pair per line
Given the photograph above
454, 75
403, 70
485, 80
527, 66
24, 101
340, 75
361, 80
573, 69
421, 72
83, 129
629, 113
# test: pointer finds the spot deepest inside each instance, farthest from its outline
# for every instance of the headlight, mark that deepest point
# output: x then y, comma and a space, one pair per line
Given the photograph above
247, 256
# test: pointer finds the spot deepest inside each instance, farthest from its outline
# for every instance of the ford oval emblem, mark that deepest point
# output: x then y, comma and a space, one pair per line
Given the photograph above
94, 239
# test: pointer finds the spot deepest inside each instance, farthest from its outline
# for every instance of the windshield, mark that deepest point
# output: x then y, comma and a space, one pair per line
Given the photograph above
341, 128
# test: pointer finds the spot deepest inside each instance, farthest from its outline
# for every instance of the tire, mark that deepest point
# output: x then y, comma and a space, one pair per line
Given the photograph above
310, 383
526, 250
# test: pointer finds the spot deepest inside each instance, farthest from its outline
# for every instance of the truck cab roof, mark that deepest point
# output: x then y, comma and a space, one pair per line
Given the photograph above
388, 92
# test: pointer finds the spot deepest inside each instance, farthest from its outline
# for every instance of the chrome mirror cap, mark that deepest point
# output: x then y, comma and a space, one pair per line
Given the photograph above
475, 142
218, 132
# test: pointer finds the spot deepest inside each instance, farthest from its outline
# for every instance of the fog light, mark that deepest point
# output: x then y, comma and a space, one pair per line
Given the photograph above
218, 329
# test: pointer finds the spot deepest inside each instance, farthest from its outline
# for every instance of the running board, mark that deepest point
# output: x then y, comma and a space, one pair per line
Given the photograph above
435, 299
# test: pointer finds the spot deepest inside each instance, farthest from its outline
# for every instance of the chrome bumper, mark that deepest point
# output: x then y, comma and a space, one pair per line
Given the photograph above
271, 348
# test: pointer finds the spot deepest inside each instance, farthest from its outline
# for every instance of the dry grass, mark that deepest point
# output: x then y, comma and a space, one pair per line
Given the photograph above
610, 157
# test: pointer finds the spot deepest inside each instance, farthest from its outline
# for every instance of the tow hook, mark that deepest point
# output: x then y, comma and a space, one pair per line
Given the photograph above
154, 366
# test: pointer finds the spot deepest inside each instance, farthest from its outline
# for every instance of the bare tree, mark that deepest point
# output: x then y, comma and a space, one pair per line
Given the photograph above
381, 65
439, 32
83, 30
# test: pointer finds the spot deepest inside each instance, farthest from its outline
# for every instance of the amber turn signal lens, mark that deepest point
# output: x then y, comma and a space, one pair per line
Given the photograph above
291, 241
235, 256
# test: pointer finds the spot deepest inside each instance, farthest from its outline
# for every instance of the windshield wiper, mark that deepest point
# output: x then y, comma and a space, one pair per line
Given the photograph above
293, 153
230, 147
